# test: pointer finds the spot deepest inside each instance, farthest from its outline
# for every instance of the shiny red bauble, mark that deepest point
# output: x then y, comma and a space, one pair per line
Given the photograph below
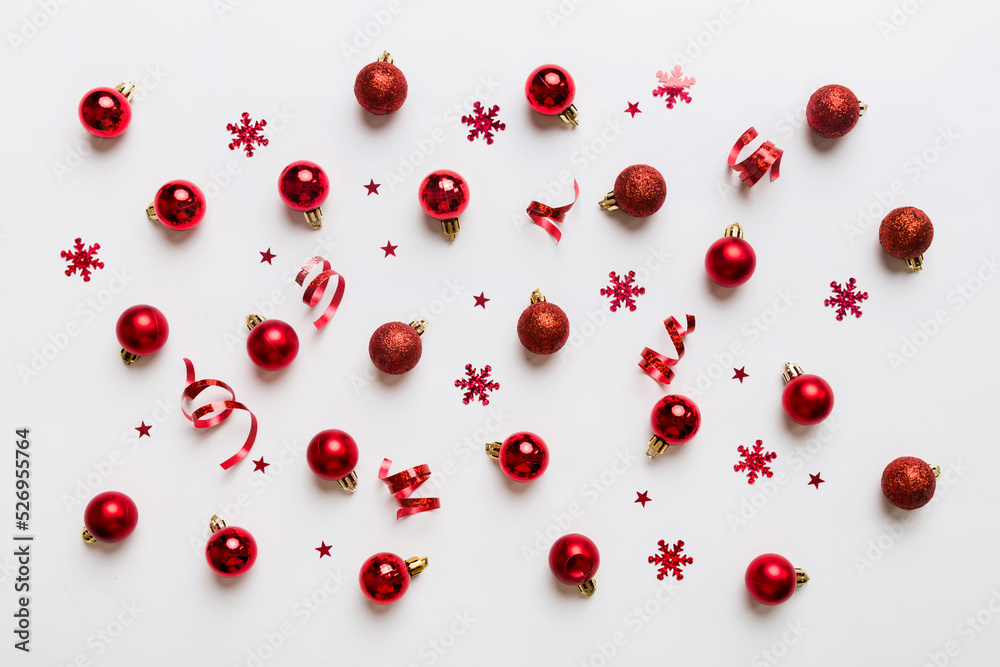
385, 577
304, 186
833, 111
909, 483
332, 454
730, 261
395, 348
230, 551
523, 456
272, 344
639, 192
771, 579
550, 90
543, 327
110, 517
807, 399
380, 86
141, 330
574, 560
444, 195
178, 205
675, 420
106, 112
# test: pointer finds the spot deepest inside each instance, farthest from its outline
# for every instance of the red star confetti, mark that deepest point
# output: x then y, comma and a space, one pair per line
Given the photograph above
815, 480
846, 299
755, 461
259, 465
324, 549
82, 259
622, 290
481, 300
372, 187
483, 123
633, 109
672, 86
266, 256
143, 430
740, 374
670, 561
478, 384
246, 134
389, 248
643, 498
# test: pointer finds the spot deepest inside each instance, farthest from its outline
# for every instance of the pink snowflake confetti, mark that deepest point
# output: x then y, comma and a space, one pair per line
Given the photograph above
755, 461
622, 290
246, 134
483, 123
672, 86
478, 384
846, 298
82, 259
670, 561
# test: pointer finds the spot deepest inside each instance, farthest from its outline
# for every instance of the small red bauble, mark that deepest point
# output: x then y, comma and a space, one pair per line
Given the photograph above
141, 330
771, 579
906, 233
444, 195
639, 192
523, 456
271, 344
395, 347
807, 399
543, 327
574, 560
833, 111
380, 86
230, 551
909, 483
550, 91
675, 420
333, 455
110, 517
106, 112
303, 185
178, 205
385, 577
730, 261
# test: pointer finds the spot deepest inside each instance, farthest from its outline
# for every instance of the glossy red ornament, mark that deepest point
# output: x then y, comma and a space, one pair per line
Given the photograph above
141, 330
550, 91
675, 420
574, 560
395, 347
771, 579
807, 399
833, 111
380, 86
543, 327
639, 192
333, 455
444, 195
523, 456
230, 551
110, 517
106, 112
906, 233
385, 577
271, 344
304, 186
178, 205
909, 483
730, 261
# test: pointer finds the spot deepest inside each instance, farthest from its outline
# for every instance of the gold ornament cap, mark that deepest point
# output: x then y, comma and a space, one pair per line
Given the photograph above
537, 297
791, 372
87, 537
801, 578
253, 319
216, 523
493, 449
416, 565
609, 203
350, 482
734, 230
126, 89
570, 115
419, 326
588, 587
657, 446
451, 228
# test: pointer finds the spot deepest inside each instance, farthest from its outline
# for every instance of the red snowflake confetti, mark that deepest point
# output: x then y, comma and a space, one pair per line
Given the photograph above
846, 298
633, 108
478, 384
815, 480
82, 259
643, 498
670, 561
755, 461
483, 123
246, 134
740, 374
323, 549
143, 430
672, 86
259, 465
622, 290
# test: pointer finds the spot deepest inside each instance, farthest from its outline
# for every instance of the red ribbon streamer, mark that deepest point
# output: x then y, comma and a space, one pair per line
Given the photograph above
403, 484
656, 365
314, 292
214, 413
545, 216
754, 167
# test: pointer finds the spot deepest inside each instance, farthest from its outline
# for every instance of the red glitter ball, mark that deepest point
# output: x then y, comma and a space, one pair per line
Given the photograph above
524, 456
384, 578
543, 328
550, 90
231, 551
906, 233
179, 205
395, 348
640, 191
676, 419
833, 111
908, 482
380, 88
105, 112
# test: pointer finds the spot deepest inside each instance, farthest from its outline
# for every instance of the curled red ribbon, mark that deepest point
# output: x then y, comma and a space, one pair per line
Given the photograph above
656, 365
216, 412
314, 292
546, 217
403, 484
754, 167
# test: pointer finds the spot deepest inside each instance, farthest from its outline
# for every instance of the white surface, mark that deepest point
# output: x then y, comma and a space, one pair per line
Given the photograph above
935, 75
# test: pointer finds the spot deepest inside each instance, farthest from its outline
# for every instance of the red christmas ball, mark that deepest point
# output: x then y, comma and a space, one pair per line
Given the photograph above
639, 192
771, 579
833, 111
385, 577
380, 87
395, 347
523, 456
444, 195
730, 261
142, 330
543, 327
906, 233
105, 112
807, 399
109, 517
272, 344
178, 205
303, 185
550, 91
574, 560
675, 419
230, 551
332, 454
909, 483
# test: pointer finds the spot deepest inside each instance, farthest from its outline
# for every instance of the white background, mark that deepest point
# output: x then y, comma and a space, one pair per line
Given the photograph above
886, 588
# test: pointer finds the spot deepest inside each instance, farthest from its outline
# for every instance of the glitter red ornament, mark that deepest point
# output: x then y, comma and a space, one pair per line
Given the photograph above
271, 344
906, 233
807, 399
574, 560
141, 330
550, 91
730, 261
230, 551
107, 112
772, 579
909, 482
304, 187
380, 86
444, 195
109, 517
675, 420
543, 327
833, 111
178, 205
523, 456
385, 577
639, 192
333, 454
395, 347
